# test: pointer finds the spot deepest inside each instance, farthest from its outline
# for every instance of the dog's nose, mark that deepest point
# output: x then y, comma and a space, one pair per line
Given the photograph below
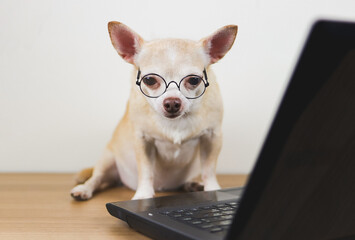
172, 105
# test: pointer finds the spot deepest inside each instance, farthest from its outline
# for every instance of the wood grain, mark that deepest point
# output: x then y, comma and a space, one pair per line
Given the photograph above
38, 206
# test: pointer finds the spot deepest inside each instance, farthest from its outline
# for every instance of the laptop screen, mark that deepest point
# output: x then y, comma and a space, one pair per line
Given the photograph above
302, 186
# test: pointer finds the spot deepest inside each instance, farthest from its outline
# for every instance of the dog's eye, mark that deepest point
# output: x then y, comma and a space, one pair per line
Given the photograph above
150, 81
194, 81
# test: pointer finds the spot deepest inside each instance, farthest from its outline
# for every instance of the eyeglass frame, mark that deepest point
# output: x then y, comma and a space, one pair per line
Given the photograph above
205, 81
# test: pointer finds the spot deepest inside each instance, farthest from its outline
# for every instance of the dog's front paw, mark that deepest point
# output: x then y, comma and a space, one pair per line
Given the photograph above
212, 186
81, 193
193, 187
147, 193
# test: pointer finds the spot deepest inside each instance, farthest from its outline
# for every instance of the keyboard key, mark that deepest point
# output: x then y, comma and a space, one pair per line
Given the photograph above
215, 210
225, 223
228, 212
227, 217
234, 204
179, 211
175, 215
207, 225
226, 208
193, 209
205, 207
220, 205
216, 229
165, 212
213, 219
211, 214
196, 222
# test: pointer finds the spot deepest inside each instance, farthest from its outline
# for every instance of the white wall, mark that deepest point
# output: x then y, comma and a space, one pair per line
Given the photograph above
63, 88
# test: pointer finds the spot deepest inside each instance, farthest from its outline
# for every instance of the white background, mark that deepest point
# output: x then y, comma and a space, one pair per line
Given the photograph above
63, 88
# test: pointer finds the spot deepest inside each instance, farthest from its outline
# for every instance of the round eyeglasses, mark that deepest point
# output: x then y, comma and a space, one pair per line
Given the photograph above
153, 85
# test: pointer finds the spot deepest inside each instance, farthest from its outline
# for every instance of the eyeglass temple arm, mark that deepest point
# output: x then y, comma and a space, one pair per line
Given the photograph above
205, 74
138, 76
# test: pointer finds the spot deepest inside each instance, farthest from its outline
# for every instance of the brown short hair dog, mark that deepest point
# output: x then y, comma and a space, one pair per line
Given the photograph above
171, 131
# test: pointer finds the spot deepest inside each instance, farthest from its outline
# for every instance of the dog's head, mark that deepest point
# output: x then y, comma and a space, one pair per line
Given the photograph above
171, 73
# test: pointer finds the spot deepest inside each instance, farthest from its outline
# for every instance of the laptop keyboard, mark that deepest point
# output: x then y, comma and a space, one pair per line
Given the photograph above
215, 218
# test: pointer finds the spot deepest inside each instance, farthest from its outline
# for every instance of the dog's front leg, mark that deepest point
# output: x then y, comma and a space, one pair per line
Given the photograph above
145, 162
210, 147
104, 174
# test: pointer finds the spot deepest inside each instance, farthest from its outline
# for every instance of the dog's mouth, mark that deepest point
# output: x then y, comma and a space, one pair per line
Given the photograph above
171, 115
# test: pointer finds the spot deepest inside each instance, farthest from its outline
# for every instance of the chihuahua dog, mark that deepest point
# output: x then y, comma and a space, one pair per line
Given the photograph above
171, 130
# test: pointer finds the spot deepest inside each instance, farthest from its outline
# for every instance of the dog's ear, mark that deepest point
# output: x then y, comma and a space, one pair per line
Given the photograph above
219, 43
126, 42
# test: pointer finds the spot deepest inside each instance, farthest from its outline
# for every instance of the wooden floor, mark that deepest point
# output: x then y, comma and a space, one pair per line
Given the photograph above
38, 206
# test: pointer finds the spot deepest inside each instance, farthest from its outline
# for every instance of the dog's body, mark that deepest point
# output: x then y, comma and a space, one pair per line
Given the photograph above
164, 142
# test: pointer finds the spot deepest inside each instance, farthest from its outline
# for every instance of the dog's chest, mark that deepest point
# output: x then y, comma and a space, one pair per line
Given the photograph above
173, 153
177, 141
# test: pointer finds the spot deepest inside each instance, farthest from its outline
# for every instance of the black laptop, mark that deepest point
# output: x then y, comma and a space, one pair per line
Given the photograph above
303, 183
